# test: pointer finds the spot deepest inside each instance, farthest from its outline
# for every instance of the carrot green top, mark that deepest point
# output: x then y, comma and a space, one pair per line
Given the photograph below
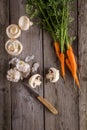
54, 17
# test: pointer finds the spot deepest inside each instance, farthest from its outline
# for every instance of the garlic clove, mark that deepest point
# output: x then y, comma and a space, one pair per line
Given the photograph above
14, 61
13, 47
35, 67
24, 68
13, 31
13, 75
53, 75
24, 23
35, 80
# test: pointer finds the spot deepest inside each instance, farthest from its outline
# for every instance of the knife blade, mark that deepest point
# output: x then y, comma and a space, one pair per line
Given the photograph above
47, 104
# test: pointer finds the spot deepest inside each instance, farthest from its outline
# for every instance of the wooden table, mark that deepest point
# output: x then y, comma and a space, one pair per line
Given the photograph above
18, 110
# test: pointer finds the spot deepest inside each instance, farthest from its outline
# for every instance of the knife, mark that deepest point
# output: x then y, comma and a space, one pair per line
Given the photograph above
47, 104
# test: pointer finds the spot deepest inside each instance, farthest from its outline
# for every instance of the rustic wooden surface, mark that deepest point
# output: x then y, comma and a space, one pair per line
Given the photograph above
20, 111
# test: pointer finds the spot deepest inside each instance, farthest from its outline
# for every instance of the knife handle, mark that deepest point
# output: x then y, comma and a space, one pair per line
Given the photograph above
47, 105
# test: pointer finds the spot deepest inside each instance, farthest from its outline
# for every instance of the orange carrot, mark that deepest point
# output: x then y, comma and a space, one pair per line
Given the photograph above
73, 72
71, 57
68, 64
57, 48
61, 57
72, 65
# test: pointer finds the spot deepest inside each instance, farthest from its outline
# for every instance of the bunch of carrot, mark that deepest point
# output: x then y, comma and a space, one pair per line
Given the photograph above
70, 61
54, 17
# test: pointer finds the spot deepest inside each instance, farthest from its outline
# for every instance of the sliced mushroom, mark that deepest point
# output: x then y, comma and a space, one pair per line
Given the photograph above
13, 47
24, 68
35, 80
53, 75
13, 75
13, 31
24, 23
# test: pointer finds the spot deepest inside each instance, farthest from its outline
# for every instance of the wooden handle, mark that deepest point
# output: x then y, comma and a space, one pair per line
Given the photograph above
47, 105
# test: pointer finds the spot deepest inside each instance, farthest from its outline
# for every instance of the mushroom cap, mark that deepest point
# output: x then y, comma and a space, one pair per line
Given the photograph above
13, 47
53, 75
35, 81
13, 75
13, 31
24, 23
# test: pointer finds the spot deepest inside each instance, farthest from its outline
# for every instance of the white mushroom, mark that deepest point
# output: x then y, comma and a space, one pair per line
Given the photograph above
13, 31
13, 75
35, 80
13, 47
24, 23
24, 68
53, 75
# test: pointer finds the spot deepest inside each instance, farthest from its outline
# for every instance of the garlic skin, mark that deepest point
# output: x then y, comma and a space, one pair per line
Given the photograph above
13, 47
13, 31
35, 67
14, 61
24, 23
35, 80
24, 68
53, 75
13, 75
29, 58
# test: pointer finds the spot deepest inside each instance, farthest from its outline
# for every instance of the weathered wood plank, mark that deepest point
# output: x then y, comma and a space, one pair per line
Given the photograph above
27, 113
82, 47
61, 94
5, 106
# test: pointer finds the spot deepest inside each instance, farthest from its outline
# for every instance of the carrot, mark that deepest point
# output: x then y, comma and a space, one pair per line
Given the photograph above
74, 75
72, 65
57, 48
77, 81
61, 57
71, 57
68, 64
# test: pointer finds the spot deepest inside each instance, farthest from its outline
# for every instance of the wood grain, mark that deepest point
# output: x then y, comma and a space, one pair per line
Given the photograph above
82, 47
5, 102
61, 95
27, 113
20, 111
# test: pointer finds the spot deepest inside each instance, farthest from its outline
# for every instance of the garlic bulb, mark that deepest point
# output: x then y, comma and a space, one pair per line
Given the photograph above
13, 31
24, 23
13, 47
35, 80
24, 68
13, 75
53, 75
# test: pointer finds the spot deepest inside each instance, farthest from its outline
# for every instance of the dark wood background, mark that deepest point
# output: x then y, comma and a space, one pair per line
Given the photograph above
18, 110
